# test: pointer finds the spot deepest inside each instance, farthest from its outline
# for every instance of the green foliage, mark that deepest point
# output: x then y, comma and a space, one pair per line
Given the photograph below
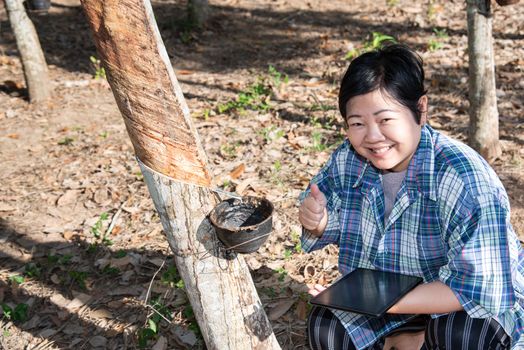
190, 315
79, 277
120, 254
295, 238
282, 273
257, 96
66, 141
270, 292
100, 72
276, 176
271, 133
320, 107
229, 150
186, 36
150, 331
206, 114
277, 77
180, 284
277, 165
318, 144
170, 277
139, 176
145, 335
97, 228
32, 270
110, 270
376, 42
436, 42
17, 279
19, 314
432, 10
59, 259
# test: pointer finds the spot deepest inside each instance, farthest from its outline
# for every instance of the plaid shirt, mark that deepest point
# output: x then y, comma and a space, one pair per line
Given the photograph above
450, 222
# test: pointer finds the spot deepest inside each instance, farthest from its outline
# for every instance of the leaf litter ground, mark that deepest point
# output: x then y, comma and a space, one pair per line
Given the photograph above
84, 262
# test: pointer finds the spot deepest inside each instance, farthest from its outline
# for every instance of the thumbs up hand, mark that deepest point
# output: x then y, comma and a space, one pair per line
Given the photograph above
312, 214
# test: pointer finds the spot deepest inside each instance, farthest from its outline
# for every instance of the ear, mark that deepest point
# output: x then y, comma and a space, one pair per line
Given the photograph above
423, 108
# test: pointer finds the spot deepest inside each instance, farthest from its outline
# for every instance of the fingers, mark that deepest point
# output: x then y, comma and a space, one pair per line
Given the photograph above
310, 214
313, 209
317, 288
319, 197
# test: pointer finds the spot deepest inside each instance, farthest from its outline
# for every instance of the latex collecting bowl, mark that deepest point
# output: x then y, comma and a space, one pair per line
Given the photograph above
243, 225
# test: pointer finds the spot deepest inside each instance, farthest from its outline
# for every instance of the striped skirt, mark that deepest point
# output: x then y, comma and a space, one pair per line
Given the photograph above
454, 331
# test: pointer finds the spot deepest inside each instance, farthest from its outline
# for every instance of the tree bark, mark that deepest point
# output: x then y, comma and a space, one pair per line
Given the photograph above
33, 60
483, 112
168, 149
197, 12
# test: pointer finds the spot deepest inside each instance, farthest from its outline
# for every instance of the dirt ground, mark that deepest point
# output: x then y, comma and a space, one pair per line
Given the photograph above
83, 258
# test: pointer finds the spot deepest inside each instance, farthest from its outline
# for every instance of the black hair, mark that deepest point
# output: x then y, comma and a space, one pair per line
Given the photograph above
394, 69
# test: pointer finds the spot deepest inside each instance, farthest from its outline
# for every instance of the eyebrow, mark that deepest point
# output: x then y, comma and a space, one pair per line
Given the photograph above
375, 113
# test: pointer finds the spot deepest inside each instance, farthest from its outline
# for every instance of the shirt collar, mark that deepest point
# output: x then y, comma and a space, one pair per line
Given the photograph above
420, 173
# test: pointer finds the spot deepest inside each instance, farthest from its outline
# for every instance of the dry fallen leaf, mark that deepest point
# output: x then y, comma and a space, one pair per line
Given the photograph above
184, 72
98, 341
241, 187
6, 207
13, 85
80, 300
69, 197
59, 300
238, 171
301, 310
161, 344
280, 309
101, 313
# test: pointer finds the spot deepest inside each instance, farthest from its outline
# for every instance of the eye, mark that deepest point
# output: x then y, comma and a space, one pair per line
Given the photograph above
354, 124
386, 120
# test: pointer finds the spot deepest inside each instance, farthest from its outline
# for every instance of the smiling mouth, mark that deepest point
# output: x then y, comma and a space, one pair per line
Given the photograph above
380, 150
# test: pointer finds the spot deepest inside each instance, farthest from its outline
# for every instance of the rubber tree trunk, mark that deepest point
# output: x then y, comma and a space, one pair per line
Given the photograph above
33, 60
483, 112
221, 291
197, 12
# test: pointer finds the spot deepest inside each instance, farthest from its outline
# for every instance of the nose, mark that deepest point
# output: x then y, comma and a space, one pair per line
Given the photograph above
374, 134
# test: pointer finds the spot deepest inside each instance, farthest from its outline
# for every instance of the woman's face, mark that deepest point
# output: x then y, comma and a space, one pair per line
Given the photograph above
382, 130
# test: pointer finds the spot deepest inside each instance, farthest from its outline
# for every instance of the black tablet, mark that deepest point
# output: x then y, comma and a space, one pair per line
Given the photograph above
365, 291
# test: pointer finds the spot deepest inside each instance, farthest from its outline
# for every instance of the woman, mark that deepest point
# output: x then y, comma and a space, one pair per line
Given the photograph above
399, 196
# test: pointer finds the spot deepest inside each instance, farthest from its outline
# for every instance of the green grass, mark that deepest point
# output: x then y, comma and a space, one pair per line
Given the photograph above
436, 42
257, 96
376, 41
100, 72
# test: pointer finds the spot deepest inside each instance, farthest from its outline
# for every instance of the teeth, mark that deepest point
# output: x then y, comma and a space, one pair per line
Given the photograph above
381, 150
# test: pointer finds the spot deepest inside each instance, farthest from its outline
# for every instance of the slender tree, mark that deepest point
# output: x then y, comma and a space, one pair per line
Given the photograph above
33, 61
483, 112
220, 289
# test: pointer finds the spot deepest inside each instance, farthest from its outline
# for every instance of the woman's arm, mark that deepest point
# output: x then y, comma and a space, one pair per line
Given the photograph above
428, 298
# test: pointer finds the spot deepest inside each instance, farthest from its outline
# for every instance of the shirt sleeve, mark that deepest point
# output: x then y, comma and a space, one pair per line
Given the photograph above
327, 181
479, 267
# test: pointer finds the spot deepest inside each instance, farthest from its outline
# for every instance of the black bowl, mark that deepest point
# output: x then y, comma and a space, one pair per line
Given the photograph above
243, 225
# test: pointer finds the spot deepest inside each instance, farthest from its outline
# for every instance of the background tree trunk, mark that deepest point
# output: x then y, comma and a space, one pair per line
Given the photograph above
197, 12
483, 112
33, 61
221, 292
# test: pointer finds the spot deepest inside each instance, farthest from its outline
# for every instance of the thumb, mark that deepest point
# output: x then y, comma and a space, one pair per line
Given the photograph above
318, 195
